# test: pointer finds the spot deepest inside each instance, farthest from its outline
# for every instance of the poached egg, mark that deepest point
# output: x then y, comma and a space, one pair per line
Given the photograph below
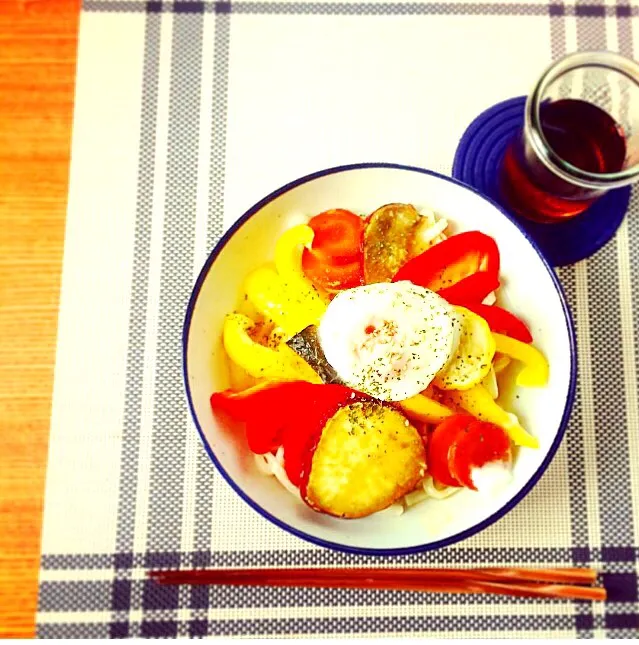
389, 340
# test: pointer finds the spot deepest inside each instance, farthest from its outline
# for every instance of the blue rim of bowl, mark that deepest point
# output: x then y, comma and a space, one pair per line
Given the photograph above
430, 546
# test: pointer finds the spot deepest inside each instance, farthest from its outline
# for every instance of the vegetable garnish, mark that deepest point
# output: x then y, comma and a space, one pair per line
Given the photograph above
461, 444
335, 260
291, 414
378, 364
451, 261
502, 322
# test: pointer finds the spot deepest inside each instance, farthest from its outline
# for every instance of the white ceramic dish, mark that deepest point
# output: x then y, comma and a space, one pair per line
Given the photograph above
529, 289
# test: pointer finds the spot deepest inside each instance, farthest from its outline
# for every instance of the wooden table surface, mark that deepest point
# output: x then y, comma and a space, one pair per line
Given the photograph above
38, 41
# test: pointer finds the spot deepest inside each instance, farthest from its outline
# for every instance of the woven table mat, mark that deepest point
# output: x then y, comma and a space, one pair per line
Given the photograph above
187, 113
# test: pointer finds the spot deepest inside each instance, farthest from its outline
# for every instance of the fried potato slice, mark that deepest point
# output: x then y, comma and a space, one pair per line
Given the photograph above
368, 456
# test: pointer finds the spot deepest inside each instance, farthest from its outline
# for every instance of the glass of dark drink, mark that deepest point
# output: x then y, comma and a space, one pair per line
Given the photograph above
580, 137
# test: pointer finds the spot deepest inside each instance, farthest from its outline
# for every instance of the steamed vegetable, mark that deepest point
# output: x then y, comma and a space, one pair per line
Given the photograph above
480, 404
335, 260
282, 293
424, 410
289, 249
501, 321
480, 444
260, 407
535, 371
279, 363
490, 383
473, 358
474, 288
500, 362
367, 458
239, 378
462, 443
444, 266
440, 447
307, 346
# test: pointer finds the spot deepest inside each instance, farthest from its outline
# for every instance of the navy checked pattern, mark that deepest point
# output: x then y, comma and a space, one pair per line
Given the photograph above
586, 11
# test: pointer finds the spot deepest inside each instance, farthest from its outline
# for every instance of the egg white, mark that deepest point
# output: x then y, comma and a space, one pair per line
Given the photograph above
389, 340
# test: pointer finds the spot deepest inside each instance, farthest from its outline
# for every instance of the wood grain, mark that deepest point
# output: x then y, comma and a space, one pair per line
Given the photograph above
38, 42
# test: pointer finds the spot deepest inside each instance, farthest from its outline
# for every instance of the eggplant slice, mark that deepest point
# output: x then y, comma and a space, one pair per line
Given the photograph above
306, 344
387, 240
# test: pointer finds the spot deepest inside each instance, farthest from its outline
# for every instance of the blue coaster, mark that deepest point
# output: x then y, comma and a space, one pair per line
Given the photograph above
477, 163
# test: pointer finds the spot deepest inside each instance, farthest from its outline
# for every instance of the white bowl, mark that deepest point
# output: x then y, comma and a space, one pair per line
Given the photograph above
529, 289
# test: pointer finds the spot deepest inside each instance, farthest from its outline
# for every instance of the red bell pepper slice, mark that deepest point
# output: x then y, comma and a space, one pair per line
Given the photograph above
461, 443
239, 404
502, 321
266, 410
336, 259
446, 264
471, 290
291, 414
302, 438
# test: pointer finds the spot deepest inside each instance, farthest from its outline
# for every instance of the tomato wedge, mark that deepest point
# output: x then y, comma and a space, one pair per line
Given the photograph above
324, 273
451, 261
338, 234
461, 443
336, 259
502, 321
478, 444
440, 447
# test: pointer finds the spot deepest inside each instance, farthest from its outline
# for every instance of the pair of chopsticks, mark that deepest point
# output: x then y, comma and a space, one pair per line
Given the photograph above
562, 583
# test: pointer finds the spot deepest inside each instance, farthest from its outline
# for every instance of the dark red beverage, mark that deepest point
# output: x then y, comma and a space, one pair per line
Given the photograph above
581, 134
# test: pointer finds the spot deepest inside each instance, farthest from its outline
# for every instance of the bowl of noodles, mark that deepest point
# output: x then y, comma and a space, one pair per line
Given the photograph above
378, 359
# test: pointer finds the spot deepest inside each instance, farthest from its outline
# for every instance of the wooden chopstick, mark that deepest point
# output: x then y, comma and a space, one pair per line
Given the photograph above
225, 576
541, 583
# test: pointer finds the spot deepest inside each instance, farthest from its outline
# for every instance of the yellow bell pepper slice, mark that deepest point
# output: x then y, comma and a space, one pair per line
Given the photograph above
421, 408
478, 402
500, 363
283, 293
265, 291
280, 363
288, 251
288, 262
535, 371
239, 378
490, 383
284, 302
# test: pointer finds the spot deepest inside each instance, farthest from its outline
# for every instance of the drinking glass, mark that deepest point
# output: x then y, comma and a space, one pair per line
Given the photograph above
580, 137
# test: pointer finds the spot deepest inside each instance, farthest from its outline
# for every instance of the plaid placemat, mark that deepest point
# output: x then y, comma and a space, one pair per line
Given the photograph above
186, 114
